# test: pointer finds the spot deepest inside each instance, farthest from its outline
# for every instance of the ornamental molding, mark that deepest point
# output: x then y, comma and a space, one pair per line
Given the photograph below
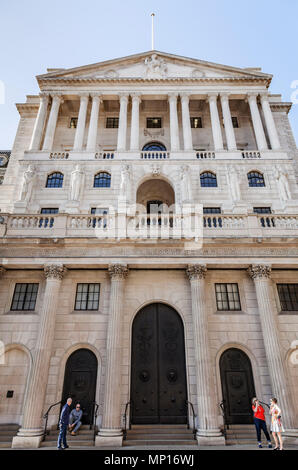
259, 271
118, 271
54, 271
196, 272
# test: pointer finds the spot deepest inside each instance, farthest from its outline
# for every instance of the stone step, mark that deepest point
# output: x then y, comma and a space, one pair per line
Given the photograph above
80, 437
81, 432
232, 442
78, 443
158, 426
8, 432
164, 442
158, 436
159, 431
5, 445
9, 427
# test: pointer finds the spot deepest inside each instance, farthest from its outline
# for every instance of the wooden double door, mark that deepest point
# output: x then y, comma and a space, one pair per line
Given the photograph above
158, 370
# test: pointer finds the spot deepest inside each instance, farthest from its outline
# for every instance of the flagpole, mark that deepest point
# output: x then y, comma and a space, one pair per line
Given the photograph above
152, 31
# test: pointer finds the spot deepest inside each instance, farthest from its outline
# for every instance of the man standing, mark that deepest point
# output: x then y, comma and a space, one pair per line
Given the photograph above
63, 424
75, 419
260, 422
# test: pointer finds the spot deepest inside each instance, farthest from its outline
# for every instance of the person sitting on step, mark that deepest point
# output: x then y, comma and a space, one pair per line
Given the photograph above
75, 419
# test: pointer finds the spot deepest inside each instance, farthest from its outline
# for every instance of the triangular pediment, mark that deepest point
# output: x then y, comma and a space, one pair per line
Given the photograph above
153, 65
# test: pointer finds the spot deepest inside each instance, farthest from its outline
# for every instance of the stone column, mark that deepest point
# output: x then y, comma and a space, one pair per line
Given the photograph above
270, 124
135, 123
30, 434
208, 432
39, 122
110, 433
257, 122
93, 124
229, 129
174, 128
80, 130
187, 135
52, 122
276, 364
215, 122
121, 143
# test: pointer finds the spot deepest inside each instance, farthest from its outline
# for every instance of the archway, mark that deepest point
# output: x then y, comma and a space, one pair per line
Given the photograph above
155, 195
80, 381
237, 386
158, 368
154, 147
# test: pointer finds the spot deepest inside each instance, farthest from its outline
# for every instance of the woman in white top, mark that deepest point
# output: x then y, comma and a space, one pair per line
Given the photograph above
276, 424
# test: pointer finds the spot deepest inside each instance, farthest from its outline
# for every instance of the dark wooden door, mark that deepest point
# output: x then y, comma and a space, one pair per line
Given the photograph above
80, 382
158, 372
237, 386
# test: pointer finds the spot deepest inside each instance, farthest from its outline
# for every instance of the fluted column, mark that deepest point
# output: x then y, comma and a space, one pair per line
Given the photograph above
39, 122
270, 124
257, 122
174, 128
215, 122
93, 125
31, 432
80, 130
268, 317
187, 135
121, 142
111, 429
229, 129
135, 122
52, 122
208, 431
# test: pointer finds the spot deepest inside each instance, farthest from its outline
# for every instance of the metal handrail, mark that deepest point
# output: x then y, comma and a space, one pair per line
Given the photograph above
46, 416
95, 410
194, 429
223, 411
124, 416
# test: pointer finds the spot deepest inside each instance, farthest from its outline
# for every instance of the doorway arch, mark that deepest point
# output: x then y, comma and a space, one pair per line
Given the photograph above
158, 367
80, 381
238, 386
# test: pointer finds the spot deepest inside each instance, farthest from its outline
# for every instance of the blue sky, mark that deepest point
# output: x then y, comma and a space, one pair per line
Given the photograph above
63, 33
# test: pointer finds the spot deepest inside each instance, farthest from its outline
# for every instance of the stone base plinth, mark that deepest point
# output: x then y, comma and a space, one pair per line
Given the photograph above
27, 439
209, 438
290, 437
109, 438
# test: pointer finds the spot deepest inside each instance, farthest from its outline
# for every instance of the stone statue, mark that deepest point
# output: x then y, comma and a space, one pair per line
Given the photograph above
282, 183
27, 184
185, 184
125, 182
233, 178
155, 66
76, 183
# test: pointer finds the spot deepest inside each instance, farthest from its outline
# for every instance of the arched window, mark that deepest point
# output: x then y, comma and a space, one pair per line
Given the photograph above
255, 179
154, 146
55, 180
102, 180
208, 180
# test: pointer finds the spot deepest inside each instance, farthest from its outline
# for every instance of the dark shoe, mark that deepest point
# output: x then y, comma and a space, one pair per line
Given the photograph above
269, 445
59, 448
260, 446
276, 448
65, 447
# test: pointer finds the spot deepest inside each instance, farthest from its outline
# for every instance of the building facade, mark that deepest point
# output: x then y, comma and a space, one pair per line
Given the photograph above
149, 222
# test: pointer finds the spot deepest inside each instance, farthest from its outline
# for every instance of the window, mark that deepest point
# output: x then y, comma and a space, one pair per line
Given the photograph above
265, 221
102, 180
235, 122
255, 179
210, 221
49, 210
45, 221
288, 296
262, 210
99, 222
227, 297
112, 123
211, 210
153, 123
55, 180
73, 122
196, 122
154, 146
24, 297
208, 180
87, 297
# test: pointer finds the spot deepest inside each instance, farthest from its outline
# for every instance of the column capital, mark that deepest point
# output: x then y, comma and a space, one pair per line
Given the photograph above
123, 97
2, 271
44, 96
212, 96
252, 95
118, 271
57, 97
84, 95
185, 96
264, 96
96, 96
173, 96
196, 272
259, 271
54, 271
225, 96
136, 96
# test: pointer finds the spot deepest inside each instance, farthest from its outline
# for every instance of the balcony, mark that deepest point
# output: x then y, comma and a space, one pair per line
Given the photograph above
146, 227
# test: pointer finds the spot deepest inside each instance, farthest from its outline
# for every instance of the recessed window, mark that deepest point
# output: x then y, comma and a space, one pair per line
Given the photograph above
87, 297
235, 122
227, 297
24, 297
99, 221
288, 296
255, 179
262, 210
102, 180
208, 180
73, 122
49, 210
196, 122
211, 210
48, 221
112, 123
55, 180
153, 123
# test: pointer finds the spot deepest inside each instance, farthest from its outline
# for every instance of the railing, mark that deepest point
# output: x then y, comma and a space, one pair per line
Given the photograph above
95, 407
59, 156
124, 418
251, 154
224, 416
46, 416
104, 155
194, 416
155, 155
204, 154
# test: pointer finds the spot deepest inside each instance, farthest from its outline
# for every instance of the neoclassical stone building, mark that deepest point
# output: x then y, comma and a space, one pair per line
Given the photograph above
149, 222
